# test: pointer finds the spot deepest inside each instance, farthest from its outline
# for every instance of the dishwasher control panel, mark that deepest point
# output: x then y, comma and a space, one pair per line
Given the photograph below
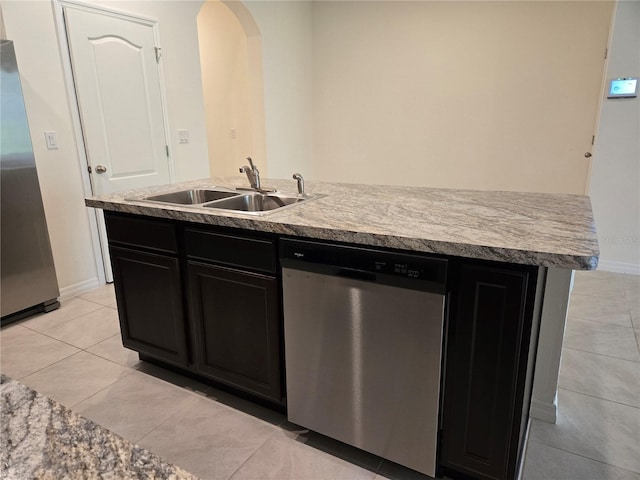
407, 270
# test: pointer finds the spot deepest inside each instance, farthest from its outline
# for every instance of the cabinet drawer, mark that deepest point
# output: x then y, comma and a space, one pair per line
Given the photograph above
237, 251
141, 232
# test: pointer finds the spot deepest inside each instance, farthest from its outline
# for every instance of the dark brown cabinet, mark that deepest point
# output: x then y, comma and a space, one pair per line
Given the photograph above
204, 299
236, 326
234, 310
148, 287
487, 379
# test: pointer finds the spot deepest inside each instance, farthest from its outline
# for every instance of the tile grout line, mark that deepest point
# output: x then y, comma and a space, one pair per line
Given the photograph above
230, 477
71, 344
129, 372
47, 366
67, 358
583, 456
26, 321
600, 398
62, 323
602, 355
581, 319
136, 441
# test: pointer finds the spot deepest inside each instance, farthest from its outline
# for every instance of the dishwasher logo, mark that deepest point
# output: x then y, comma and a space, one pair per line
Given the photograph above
298, 254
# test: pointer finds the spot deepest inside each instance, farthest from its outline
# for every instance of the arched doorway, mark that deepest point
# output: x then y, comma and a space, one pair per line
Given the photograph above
232, 83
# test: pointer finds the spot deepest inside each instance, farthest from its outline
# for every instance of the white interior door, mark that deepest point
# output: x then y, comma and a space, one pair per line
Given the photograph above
115, 63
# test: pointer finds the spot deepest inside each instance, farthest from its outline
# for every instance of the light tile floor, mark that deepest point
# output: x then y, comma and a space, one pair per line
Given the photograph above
75, 356
597, 435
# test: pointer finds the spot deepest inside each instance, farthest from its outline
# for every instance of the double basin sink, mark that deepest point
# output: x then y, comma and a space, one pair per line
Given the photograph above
254, 203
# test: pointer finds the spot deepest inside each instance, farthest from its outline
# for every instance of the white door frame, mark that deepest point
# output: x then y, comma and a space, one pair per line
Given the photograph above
95, 216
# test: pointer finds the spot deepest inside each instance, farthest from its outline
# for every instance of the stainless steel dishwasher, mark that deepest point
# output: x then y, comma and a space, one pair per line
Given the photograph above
363, 342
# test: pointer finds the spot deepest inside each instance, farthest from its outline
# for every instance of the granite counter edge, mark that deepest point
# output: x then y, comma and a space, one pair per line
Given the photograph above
588, 261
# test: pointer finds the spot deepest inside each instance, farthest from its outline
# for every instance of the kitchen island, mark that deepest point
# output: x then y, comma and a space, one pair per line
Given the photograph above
510, 259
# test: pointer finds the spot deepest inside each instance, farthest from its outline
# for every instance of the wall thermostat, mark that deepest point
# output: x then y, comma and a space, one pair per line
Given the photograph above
623, 88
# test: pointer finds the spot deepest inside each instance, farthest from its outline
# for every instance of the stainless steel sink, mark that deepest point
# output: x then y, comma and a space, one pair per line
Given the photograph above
252, 203
192, 196
256, 202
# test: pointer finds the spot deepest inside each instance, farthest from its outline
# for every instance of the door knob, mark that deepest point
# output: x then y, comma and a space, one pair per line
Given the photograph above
587, 155
101, 169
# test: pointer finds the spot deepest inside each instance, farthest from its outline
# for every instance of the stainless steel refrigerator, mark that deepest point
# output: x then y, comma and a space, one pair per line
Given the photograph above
28, 282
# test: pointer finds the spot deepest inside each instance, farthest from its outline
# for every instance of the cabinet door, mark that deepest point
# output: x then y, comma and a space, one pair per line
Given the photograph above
237, 328
488, 339
149, 297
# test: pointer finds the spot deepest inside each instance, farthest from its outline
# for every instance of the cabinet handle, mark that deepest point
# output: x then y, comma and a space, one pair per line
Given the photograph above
356, 274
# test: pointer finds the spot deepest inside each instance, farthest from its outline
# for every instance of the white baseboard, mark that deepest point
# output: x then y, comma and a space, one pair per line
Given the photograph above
78, 289
545, 411
619, 267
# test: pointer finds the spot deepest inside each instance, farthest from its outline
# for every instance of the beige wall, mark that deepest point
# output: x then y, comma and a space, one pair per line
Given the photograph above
484, 95
31, 25
285, 33
615, 177
489, 95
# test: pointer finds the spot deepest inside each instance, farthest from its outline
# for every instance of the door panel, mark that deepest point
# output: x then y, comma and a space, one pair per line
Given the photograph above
118, 88
127, 156
150, 304
235, 321
487, 350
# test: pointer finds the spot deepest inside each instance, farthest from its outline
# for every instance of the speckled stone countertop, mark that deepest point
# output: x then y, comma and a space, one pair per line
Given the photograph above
551, 230
42, 439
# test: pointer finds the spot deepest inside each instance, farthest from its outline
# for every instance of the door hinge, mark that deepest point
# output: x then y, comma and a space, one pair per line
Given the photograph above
606, 53
166, 147
158, 54
89, 168
593, 139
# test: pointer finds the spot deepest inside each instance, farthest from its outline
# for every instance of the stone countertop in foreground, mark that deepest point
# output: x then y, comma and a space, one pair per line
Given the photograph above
42, 439
551, 230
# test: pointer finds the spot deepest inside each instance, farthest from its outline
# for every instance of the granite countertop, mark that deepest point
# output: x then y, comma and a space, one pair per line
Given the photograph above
42, 439
551, 230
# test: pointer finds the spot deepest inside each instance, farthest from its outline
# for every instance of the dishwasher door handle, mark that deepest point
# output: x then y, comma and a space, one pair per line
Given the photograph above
356, 274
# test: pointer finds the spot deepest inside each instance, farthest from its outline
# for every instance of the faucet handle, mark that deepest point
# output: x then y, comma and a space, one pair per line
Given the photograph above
300, 180
253, 175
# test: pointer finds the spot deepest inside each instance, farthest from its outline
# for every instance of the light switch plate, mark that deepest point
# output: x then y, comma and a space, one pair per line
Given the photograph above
183, 136
51, 138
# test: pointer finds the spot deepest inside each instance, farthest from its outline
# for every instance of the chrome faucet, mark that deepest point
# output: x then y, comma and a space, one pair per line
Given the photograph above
252, 174
254, 179
298, 177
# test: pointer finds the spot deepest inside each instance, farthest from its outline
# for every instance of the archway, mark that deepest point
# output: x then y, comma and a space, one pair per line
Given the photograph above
232, 83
